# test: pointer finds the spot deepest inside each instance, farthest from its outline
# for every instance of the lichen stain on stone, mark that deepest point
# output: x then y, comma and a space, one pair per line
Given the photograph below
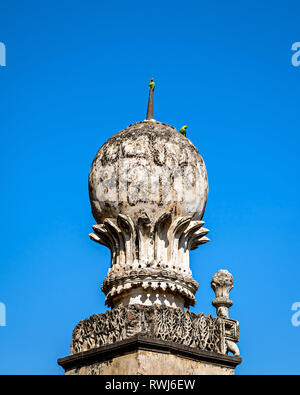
148, 146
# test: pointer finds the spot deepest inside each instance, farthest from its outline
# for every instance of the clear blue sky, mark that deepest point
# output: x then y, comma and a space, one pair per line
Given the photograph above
77, 72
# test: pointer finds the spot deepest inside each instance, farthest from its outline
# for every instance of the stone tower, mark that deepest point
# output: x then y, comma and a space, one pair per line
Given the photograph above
148, 189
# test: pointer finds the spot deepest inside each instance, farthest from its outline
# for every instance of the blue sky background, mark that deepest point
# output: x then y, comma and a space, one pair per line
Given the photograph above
77, 72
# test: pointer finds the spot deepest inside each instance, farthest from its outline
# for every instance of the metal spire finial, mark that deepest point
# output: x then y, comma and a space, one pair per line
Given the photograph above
150, 100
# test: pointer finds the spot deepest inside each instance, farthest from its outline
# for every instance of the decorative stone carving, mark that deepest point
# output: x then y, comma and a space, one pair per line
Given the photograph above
222, 284
148, 167
148, 190
150, 256
158, 322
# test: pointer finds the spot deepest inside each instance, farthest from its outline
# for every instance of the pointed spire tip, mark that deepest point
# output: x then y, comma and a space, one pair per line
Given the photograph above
150, 113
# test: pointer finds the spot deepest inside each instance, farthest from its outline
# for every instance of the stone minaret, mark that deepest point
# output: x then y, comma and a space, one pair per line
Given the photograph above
148, 190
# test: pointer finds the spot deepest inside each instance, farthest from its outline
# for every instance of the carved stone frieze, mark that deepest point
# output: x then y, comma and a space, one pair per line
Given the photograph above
157, 322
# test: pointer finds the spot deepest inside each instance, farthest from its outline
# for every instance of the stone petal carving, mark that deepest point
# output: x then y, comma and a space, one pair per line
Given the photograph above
150, 255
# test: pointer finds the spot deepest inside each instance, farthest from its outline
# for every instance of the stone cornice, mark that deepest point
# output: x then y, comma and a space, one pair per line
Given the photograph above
139, 342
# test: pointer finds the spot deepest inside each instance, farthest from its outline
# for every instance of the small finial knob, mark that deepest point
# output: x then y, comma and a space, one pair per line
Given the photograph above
222, 284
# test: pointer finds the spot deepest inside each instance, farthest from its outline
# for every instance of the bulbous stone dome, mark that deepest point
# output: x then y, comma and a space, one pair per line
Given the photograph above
148, 190
151, 168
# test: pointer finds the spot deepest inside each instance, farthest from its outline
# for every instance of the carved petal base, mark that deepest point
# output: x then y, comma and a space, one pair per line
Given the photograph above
150, 256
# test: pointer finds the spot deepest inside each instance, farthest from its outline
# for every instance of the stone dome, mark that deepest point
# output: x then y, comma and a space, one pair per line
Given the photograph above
151, 168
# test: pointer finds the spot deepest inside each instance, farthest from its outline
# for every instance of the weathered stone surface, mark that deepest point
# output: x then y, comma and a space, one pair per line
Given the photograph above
148, 190
151, 363
148, 151
222, 284
142, 355
150, 256
168, 324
